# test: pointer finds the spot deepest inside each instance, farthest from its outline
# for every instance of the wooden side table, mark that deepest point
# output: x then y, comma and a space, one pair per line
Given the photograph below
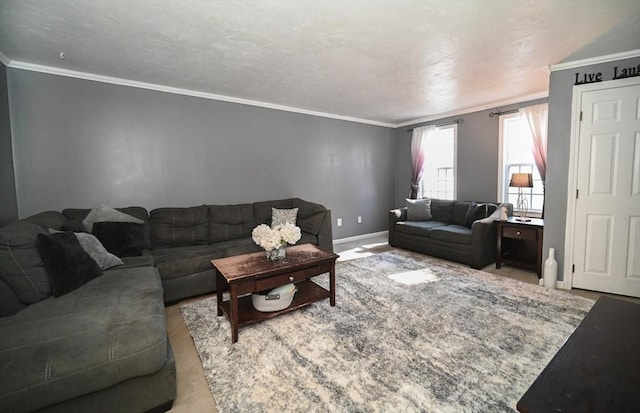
520, 243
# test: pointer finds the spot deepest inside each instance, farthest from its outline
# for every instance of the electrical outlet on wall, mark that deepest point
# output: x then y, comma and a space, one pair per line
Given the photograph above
359, 220
339, 222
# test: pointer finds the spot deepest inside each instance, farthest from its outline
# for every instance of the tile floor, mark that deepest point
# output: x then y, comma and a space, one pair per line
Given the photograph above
193, 390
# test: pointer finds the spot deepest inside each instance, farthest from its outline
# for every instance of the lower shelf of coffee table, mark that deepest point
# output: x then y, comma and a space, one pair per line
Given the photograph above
308, 292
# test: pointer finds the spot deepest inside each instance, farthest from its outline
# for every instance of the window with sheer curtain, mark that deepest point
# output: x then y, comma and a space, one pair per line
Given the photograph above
439, 174
516, 156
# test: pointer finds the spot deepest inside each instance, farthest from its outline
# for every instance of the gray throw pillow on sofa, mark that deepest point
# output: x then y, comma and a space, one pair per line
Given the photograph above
95, 249
418, 209
66, 262
104, 213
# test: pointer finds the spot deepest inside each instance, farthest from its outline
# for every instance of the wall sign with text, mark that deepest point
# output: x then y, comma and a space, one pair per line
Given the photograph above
618, 73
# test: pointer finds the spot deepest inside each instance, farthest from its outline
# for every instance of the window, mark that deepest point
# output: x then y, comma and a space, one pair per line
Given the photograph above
439, 174
515, 156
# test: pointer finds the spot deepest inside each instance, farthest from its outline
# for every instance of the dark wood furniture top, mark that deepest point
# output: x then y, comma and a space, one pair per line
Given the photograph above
519, 243
597, 369
251, 273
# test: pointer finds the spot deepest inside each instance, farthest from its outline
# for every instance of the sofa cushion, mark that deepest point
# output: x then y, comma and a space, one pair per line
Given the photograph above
311, 224
144, 260
49, 219
455, 234
418, 209
67, 263
179, 226
227, 222
123, 239
237, 247
20, 263
9, 302
421, 228
307, 238
460, 211
442, 210
109, 330
310, 215
76, 216
178, 262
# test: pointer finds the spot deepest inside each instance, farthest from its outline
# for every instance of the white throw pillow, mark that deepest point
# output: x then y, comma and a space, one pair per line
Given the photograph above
283, 216
104, 213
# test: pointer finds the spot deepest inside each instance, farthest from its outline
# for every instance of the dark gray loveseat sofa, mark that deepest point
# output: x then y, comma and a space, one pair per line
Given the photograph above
461, 231
103, 347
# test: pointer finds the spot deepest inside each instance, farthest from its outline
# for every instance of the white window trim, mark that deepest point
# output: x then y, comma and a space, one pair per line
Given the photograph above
501, 164
501, 168
453, 126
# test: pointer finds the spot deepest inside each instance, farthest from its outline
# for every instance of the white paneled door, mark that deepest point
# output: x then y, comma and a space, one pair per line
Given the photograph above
606, 254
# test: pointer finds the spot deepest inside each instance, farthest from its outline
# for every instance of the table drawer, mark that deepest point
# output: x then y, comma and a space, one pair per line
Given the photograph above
278, 280
519, 233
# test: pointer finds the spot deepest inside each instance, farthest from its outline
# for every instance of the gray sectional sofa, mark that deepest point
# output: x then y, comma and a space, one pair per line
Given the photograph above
461, 231
103, 347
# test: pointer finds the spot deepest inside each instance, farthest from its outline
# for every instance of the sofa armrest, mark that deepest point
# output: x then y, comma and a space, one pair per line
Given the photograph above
325, 236
483, 242
395, 215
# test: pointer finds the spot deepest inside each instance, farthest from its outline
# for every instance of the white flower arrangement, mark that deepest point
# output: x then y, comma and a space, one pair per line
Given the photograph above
274, 238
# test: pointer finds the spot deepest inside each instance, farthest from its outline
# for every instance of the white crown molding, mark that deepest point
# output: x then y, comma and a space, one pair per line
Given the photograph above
4, 59
178, 91
212, 96
493, 105
595, 60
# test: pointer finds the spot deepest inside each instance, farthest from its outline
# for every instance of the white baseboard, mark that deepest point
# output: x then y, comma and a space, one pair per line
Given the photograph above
360, 237
559, 284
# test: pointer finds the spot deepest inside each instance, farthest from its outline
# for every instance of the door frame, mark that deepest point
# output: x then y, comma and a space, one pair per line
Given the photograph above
572, 184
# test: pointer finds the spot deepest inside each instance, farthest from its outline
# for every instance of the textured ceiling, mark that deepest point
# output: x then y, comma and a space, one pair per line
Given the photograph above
384, 61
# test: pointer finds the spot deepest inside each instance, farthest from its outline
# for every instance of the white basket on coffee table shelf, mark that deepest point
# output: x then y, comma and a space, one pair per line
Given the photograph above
275, 300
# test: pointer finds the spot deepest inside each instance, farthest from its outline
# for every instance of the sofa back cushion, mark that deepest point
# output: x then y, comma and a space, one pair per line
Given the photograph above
77, 215
311, 216
49, 219
179, 226
262, 210
460, 211
20, 263
442, 210
228, 222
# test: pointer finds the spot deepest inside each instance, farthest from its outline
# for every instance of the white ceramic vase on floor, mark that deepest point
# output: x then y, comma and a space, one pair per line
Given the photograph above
551, 270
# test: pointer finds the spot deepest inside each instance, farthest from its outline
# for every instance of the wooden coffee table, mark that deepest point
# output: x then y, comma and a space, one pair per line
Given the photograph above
243, 275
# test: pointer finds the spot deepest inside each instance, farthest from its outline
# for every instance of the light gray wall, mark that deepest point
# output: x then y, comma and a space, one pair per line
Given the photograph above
8, 202
80, 142
558, 147
477, 153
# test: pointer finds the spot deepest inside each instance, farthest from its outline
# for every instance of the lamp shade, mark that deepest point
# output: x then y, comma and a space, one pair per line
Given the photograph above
521, 180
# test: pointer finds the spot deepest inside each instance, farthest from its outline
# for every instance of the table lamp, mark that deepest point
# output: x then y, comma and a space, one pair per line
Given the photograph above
522, 180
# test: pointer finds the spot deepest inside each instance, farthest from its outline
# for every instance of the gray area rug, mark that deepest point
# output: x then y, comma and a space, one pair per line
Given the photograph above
409, 333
